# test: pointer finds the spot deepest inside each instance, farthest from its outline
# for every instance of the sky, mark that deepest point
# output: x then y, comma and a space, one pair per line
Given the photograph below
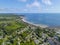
29, 6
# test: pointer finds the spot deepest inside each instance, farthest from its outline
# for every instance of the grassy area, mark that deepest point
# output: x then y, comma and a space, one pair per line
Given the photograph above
14, 31
28, 43
9, 25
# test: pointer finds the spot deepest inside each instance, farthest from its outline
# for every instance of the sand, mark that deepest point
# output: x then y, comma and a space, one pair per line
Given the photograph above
40, 25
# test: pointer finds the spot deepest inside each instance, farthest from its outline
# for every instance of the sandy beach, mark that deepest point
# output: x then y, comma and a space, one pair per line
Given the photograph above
40, 25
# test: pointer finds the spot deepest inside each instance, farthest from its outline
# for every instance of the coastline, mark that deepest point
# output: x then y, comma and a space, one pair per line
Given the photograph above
38, 25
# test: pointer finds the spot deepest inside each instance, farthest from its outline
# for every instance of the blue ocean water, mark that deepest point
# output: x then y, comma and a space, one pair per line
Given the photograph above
49, 19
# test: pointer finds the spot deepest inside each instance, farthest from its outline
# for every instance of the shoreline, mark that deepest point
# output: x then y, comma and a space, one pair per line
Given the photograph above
38, 25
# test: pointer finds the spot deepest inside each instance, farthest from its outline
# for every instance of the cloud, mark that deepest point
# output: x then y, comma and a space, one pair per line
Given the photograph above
25, 10
22, 0
34, 7
9, 9
47, 2
34, 4
18, 10
4, 9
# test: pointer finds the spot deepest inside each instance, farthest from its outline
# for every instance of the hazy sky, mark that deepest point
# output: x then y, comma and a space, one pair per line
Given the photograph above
29, 6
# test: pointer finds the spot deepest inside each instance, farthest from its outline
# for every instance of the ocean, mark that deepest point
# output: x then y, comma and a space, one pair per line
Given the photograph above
49, 19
